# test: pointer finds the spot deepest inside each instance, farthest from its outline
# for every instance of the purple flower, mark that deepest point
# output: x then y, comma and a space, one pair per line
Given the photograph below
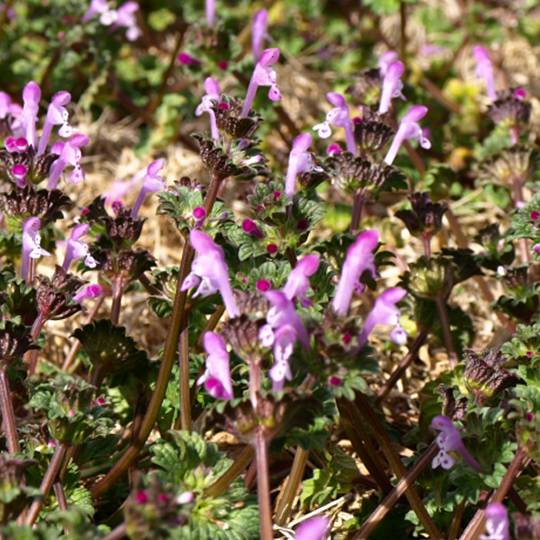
29, 117
263, 75
300, 161
385, 312
209, 271
210, 10
338, 117
315, 528
213, 92
391, 86
69, 153
497, 525
125, 18
409, 128
77, 249
19, 171
96, 6
449, 440
93, 290
484, 70
187, 60
57, 115
386, 60
217, 377
359, 259
31, 245
258, 32
283, 328
298, 280
152, 183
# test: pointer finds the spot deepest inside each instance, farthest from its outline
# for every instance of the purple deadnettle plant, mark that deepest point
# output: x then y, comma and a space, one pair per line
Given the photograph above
213, 91
152, 183
298, 280
300, 161
69, 153
338, 117
263, 75
217, 377
449, 440
391, 86
77, 249
359, 258
209, 271
409, 128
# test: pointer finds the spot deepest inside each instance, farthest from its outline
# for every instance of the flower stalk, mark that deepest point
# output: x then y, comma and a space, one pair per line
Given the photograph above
8, 414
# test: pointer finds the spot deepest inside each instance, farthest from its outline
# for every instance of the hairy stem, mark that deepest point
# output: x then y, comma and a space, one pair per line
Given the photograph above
426, 240
386, 505
263, 486
46, 483
220, 486
358, 206
440, 301
185, 390
60, 495
287, 495
31, 357
8, 414
117, 292
374, 424
178, 323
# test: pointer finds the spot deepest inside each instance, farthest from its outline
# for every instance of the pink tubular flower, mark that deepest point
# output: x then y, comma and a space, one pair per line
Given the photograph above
409, 128
213, 92
5, 104
209, 271
298, 280
497, 524
338, 117
315, 528
57, 115
31, 245
19, 171
187, 60
359, 259
484, 70
449, 440
258, 32
210, 11
386, 60
69, 153
29, 117
300, 161
151, 184
93, 290
391, 86
96, 6
217, 377
284, 340
125, 18
263, 75
385, 312
77, 249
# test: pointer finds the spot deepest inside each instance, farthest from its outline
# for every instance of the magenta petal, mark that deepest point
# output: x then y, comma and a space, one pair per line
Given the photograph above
336, 99
269, 57
315, 528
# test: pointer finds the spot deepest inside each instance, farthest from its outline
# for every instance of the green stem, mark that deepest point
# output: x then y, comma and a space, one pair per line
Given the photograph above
178, 323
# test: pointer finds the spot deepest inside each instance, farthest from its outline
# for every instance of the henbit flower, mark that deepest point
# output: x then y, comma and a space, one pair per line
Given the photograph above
497, 524
210, 11
19, 171
16, 144
125, 18
77, 249
359, 258
298, 280
187, 60
283, 313
300, 161
386, 60
69, 153
385, 312
258, 32
209, 271
92, 290
151, 184
484, 70
391, 86
96, 6
29, 115
213, 91
449, 440
315, 528
57, 115
263, 75
31, 245
409, 128
283, 341
338, 117
217, 377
